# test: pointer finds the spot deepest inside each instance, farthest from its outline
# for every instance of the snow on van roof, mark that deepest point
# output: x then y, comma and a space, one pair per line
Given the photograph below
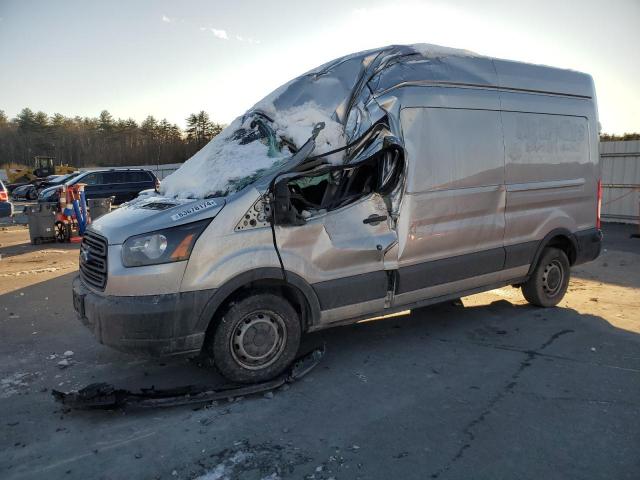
223, 165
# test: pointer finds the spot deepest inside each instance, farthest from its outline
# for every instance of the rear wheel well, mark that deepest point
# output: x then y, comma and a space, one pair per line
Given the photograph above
563, 243
278, 287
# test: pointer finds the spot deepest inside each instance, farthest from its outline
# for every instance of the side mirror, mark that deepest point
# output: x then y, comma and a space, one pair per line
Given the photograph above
282, 210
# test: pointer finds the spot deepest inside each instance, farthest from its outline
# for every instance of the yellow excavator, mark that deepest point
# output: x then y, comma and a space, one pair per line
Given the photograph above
43, 166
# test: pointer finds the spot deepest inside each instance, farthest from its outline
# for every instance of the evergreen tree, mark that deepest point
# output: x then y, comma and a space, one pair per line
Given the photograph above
200, 129
105, 122
26, 120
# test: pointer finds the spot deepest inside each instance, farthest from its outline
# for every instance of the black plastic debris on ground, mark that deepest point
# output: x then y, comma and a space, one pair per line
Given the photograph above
106, 396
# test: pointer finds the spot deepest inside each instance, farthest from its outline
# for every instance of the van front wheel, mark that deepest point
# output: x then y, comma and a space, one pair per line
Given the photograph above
256, 339
549, 280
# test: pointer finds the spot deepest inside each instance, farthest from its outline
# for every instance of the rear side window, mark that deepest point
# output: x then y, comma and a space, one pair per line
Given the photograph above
92, 179
147, 177
137, 176
114, 177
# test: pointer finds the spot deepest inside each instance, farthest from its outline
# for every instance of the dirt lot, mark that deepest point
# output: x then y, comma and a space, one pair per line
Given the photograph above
23, 264
494, 389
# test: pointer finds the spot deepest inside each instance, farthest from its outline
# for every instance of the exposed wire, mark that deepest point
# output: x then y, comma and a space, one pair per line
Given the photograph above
272, 222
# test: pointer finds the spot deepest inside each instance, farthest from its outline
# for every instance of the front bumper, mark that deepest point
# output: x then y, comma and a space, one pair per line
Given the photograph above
149, 324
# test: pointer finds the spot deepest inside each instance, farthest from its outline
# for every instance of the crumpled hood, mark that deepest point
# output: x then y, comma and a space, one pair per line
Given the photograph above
153, 212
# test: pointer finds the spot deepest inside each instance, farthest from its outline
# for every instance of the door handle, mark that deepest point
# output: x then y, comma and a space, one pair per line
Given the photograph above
374, 219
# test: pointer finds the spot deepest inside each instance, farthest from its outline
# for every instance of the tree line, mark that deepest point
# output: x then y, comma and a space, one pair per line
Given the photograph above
102, 140
105, 141
607, 137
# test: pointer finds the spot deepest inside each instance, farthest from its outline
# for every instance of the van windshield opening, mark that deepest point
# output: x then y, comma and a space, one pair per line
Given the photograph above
334, 187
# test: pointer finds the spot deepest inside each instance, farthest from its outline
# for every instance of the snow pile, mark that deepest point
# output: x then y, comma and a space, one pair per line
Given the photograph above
221, 165
211, 169
296, 125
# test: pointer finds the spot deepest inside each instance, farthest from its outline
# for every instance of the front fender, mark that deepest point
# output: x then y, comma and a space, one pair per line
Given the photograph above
258, 274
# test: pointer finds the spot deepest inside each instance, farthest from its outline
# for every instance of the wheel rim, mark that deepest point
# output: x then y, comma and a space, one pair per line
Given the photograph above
258, 339
553, 278
61, 232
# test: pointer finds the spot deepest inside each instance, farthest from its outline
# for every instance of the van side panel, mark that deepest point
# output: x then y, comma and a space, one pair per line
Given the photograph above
550, 171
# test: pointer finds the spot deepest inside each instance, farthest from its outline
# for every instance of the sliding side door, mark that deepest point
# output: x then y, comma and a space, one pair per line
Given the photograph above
452, 222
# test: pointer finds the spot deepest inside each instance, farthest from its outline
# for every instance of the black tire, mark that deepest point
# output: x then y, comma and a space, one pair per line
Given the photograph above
549, 280
264, 317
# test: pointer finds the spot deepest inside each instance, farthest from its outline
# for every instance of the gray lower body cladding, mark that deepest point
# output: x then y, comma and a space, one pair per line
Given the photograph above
370, 286
150, 324
350, 290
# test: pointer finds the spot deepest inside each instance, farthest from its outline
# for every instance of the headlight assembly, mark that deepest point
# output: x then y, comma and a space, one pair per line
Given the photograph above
163, 246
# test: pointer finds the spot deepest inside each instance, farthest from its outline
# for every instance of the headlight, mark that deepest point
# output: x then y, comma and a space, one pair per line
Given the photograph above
164, 246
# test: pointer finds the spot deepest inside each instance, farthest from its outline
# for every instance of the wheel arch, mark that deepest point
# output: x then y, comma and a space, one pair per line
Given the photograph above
561, 238
295, 290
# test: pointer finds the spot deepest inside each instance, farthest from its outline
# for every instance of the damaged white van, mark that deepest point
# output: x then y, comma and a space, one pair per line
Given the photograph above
382, 181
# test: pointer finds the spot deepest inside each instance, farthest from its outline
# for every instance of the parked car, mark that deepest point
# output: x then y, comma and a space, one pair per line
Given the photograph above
12, 186
6, 207
123, 184
430, 174
25, 192
31, 190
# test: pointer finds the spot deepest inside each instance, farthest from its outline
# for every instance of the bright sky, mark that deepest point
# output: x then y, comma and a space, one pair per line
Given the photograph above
170, 58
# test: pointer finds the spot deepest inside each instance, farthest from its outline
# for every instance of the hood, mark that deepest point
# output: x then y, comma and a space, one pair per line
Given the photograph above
153, 212
340, 94
46, 191
72, 179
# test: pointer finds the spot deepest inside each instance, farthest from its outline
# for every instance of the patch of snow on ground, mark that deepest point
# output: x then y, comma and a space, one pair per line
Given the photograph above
14, 384
214, 168
225, 470
273, 476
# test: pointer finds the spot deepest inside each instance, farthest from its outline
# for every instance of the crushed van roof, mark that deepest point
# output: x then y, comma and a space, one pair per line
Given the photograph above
342, 94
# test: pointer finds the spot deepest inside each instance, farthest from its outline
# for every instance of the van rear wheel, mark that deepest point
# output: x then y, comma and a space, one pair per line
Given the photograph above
549, 280
256, 339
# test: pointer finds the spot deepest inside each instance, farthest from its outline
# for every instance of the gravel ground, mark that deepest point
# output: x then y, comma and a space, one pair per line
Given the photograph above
492, 389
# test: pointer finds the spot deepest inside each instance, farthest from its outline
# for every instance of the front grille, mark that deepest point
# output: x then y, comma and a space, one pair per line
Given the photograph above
93, 260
